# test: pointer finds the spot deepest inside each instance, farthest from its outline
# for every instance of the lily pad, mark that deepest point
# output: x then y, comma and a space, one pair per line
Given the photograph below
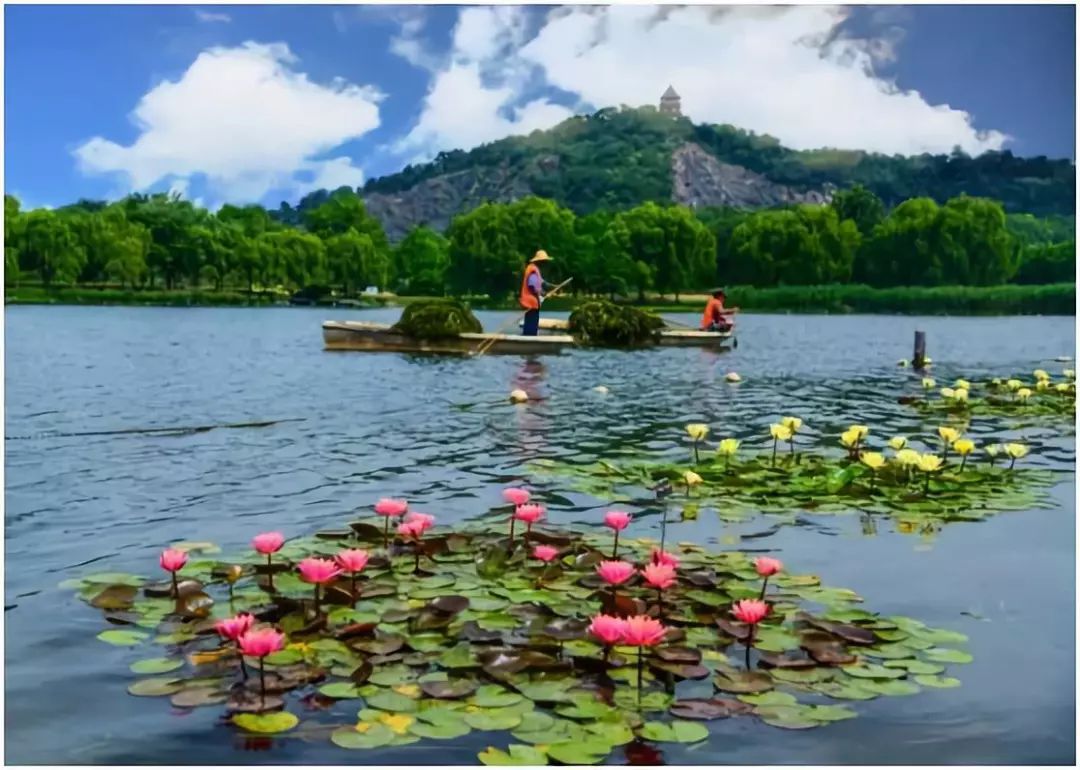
556, 691
915, 666
706, 709
457, 688
373, 736
198, 696
872, 671
743, 682
927, 680
275, 722
573, 753
772, 698
678, 731
391, 701
443, 730
156, 686
492, 720
156, 665
516, 754
340, 690
493, 696
123, 637
945, 655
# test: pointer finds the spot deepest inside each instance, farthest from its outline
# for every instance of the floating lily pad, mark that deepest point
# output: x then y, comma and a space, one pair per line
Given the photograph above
915, 666
198, 696
893, 687
706, 709
572, 753
772, 698
557, 691
492, 720
493, 696
439, 730
743, 682
457, 688
156, 686
927, 680
156, 665
872, 671
391, 701
676, 732
340, 690
516, 754
945, 655
123, 637
788, 717
373, 736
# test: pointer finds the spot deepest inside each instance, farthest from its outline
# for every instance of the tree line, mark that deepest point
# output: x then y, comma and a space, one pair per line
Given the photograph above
162, 241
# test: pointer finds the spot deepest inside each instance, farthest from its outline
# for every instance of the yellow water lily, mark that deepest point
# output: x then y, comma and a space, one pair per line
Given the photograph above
408, 690
1043, 385
792, 423
1015, 451
907, 457
960, 395
1041, 374
996, 382
961, 383
728, 447
1062, 387
697, 430
1023, 394
948, 393
1014, 384
928, 383
1069, 374
691, 479
733, 377
861, 430
929, 463
398, 723
963, 447
779, 433
849, 438
872, 460
992, 451
948, 435
898, 442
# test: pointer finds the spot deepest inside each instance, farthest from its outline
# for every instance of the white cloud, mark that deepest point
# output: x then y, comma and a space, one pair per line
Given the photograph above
209, 17
785, 71
476, 93
244, 118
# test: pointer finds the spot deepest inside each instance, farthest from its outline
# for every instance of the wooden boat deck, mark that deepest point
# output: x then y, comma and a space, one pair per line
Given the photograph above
366, 335
669, 338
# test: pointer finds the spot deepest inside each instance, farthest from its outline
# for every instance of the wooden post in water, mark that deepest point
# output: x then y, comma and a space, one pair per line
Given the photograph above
918, 359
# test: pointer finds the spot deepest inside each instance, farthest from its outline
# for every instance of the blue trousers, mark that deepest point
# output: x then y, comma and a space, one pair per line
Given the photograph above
531, 325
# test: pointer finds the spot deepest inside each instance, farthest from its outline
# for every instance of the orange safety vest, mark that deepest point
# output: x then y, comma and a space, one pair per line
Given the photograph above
714, 313
527, 299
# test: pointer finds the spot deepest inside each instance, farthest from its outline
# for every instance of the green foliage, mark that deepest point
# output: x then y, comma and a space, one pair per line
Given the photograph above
803, 245
421, 262
860, 206
604, 323
1047, 263
433, 319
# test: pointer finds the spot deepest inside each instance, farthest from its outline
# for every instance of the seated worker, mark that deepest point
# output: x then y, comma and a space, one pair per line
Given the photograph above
716, 318
532, 293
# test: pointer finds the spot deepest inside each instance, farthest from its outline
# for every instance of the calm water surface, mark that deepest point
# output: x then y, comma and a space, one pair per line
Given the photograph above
439, 431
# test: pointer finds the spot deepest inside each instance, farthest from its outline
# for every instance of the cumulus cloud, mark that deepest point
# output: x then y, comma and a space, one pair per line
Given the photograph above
246, 120
785, 71
790, 71
209, 17
476, 94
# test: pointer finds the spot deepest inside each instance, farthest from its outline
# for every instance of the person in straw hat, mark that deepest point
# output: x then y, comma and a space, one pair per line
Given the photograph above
532, 293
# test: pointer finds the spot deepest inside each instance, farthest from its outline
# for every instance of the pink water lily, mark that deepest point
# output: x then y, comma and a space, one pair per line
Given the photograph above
423, 520
545, 553
765, 567
258, 643
232, 629
608, 629
353, 561
317, 572
751, 612
530, 513
643, 631
268, 543
516, 496
172, 561
615, 572
413, 528
664, 557
389, 508
618, 521
659, 576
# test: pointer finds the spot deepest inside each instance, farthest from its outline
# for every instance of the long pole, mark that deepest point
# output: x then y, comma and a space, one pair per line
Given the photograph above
486, 344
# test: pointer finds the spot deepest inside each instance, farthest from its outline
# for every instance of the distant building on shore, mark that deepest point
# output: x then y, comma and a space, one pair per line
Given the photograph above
671, 103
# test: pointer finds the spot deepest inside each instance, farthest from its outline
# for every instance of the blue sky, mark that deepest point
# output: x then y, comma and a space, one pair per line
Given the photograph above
263, 103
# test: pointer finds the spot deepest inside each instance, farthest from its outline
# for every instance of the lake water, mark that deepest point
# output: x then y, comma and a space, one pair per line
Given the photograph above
440, 432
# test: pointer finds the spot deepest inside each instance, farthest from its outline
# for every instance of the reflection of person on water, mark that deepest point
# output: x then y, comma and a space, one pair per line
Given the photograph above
532, 293
716, 318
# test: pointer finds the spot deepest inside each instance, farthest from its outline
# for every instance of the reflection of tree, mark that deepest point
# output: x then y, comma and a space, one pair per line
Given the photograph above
532, 421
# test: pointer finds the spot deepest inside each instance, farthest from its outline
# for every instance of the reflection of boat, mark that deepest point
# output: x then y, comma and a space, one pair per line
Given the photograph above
365, 335
669, 338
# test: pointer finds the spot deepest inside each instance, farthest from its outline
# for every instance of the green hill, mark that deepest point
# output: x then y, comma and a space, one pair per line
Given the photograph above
620, 157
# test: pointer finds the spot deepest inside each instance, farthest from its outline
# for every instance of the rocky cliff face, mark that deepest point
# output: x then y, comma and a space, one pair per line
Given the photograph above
698, 179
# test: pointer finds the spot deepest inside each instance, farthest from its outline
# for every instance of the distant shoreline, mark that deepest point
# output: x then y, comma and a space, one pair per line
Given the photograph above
1051, 299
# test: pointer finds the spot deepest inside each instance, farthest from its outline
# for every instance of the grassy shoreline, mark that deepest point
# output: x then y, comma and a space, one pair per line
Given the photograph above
1051, 299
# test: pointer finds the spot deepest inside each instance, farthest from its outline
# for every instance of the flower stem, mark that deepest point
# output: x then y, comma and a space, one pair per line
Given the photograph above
511, 533
262, 682
663, 528
659, 604
243, 668
352, 588
963, 462
615, 548
926, 487
640, 666
697, 459
269, 572
316, 601
416, 564
749, 644
1011, 464
764, 585
386, 534
774, 442
175, 587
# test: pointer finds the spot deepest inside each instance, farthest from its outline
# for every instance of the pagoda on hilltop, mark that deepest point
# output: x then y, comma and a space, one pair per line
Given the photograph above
671, 103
